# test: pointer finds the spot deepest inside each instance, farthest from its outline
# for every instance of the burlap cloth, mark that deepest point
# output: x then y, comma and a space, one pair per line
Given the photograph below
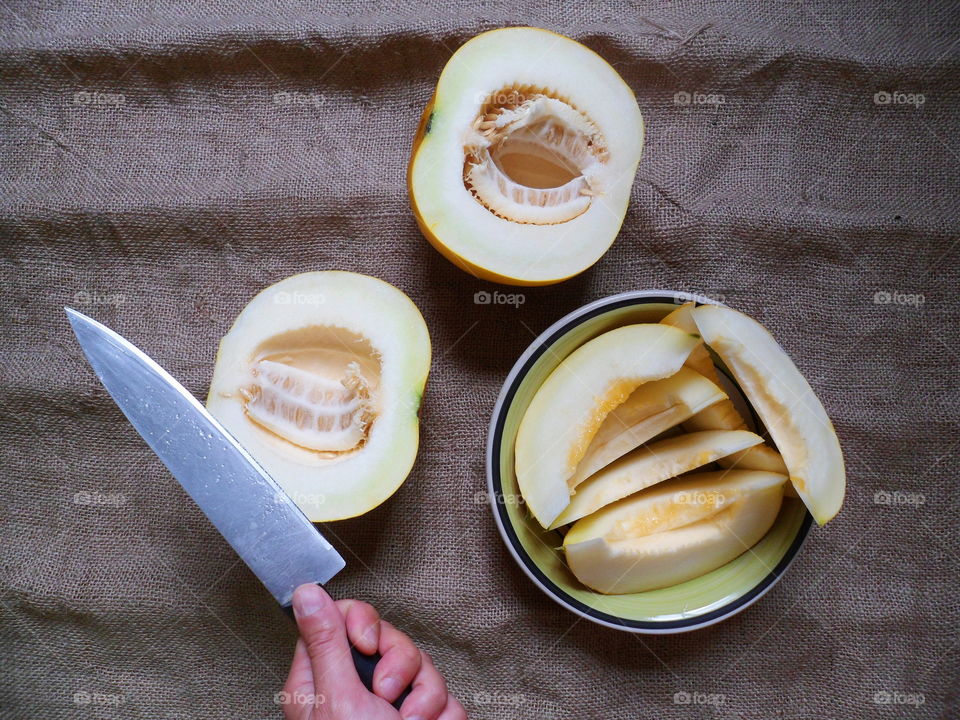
153, 177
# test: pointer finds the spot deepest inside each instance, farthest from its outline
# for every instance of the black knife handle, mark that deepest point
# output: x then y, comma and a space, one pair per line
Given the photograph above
364, 664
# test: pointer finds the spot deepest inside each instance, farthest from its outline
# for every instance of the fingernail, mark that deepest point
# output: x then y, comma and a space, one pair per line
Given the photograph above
413, 717
308, 599
390, 686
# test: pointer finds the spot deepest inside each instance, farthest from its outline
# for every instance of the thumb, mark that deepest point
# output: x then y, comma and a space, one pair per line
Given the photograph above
322, 628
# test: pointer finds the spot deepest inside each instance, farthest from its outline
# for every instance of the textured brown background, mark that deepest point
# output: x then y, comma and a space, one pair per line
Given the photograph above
797, 200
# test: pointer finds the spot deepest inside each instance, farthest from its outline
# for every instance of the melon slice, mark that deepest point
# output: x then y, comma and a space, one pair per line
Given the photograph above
320, 379
523, 163
659, 538
650, 465
570, 406
651, 409
721, 415
784, 400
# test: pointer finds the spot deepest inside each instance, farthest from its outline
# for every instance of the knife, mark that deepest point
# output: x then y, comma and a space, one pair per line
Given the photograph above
252, 512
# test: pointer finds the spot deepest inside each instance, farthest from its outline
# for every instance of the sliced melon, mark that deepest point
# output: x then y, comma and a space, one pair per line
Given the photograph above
699, 358
671, 504
651, 409
320, 379
721, 415
656, 540
522, 167
570, 406
650, 465
786, 403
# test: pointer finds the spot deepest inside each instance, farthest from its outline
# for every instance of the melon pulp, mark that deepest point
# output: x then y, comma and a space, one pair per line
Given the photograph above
721, 415
320, 379
522, 167
570, 406
784, 400
673, 532
651, 409
650, 465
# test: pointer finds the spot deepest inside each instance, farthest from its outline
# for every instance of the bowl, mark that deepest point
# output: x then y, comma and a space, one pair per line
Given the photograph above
694, 604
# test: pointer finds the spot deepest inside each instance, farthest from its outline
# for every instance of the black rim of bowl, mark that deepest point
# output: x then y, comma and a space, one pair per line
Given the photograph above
559, 594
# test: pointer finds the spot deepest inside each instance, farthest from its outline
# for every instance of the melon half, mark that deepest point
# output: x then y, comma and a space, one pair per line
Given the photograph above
320, 379
522, 167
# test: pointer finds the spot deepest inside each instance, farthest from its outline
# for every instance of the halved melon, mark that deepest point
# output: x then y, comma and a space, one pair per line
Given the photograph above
570, 406
673, 532
320, 379
786, 403
651, 409
650, 465
522, 167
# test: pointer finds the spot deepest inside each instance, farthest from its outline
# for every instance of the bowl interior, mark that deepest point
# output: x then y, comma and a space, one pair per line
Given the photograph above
714, 595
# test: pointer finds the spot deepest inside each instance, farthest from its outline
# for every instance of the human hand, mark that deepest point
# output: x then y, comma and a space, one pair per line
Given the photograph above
323, 683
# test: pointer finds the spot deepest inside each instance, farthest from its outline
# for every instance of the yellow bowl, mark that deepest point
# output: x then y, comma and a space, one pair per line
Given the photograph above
687, 606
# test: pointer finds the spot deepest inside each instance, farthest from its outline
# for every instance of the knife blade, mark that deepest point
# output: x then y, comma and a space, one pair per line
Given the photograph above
252, 512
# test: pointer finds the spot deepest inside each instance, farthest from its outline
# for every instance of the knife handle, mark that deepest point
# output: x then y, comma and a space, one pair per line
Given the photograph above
364, 664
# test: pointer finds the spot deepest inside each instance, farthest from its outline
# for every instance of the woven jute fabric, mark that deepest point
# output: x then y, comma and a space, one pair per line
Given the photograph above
164, 162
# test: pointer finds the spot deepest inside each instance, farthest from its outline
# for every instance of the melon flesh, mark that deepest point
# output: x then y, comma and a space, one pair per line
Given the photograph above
570, 406
784, 400
638, 563
671, 504
653, 464
721, 415
320, 379
651, 409
522, 167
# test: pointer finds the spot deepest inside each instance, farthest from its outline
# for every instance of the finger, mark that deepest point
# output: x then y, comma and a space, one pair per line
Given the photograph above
399, 664
363, 625
453, 711
325, 637
428, 697
301, 672
298, 689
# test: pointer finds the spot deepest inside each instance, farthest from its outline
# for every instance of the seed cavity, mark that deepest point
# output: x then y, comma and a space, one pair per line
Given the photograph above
531, 157
316, 389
